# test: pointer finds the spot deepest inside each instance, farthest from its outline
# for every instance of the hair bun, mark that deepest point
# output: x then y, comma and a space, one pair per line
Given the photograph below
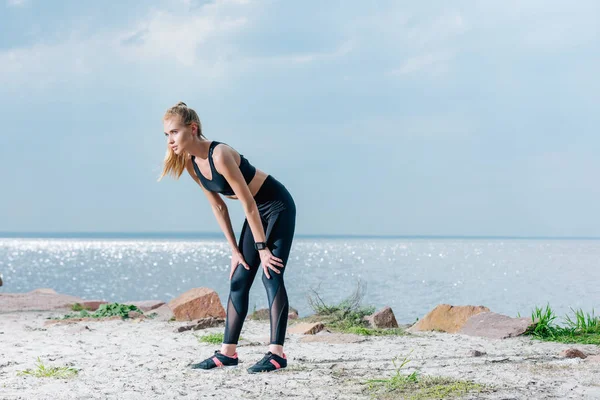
181, 104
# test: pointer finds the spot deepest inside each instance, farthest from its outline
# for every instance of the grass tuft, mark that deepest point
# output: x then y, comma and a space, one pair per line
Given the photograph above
42, 371
348, 315
417, 387
582, 328
212, 338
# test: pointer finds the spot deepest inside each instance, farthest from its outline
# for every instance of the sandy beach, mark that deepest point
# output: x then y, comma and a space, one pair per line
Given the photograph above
147, 359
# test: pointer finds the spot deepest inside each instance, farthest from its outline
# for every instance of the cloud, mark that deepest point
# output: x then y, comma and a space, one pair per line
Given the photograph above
198, 40
16, 3
435, 63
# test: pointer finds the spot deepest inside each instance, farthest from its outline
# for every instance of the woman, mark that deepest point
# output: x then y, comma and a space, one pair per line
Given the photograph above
266, 237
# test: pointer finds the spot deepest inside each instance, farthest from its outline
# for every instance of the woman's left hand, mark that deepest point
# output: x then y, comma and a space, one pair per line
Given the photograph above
269, 261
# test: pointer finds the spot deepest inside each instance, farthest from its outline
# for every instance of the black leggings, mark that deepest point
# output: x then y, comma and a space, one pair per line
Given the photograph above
278, 215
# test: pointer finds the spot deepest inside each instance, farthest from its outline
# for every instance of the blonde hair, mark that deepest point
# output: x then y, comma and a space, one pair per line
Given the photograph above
175, 164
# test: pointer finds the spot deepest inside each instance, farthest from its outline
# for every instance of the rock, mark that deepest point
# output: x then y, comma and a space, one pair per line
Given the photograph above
202, 323
92, 305
197, 303
146, 305
162, 313
43, 291
572, 353
259, 315
333, 338
383, 318
447, 318
209, 322
36, 300
306, 328
477, 353
263, 314
495, 326
135, 314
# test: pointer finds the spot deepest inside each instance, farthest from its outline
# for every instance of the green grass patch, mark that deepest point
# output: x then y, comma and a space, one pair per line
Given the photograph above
42, 371
105, 310
346, 316
360, 330
79, 307
416, 387
212, 338
581, 327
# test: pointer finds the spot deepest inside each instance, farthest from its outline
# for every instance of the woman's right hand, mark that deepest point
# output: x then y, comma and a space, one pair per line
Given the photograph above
236, 259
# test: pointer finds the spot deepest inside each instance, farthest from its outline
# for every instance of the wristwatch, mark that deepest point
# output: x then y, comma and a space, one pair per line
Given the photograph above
260, 245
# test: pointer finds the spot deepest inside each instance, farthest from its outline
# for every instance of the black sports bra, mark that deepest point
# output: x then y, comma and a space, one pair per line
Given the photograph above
218, 183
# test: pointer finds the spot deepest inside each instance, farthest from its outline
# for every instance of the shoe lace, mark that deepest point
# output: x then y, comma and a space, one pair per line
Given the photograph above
265, 358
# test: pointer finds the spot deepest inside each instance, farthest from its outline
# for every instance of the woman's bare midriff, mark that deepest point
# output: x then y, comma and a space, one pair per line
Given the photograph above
255, 184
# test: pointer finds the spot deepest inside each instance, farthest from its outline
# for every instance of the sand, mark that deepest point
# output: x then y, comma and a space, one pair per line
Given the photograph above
146, 359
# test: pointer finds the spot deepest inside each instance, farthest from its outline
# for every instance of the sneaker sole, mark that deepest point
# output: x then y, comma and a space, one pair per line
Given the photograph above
216, 368
265, 372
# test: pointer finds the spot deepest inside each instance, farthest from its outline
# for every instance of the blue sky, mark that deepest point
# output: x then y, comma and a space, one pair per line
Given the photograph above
381, 117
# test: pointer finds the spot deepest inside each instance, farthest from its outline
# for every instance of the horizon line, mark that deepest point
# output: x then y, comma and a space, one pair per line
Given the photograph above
194, 234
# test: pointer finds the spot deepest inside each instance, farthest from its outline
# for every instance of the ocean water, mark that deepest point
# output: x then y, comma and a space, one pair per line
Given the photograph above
509, 276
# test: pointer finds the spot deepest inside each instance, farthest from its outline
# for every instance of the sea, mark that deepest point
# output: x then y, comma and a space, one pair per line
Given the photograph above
412, 275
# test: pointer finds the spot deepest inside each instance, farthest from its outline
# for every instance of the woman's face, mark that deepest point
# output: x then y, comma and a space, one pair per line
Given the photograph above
179, 136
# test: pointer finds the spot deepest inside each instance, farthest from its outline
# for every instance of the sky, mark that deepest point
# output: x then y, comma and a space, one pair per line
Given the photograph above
380, 117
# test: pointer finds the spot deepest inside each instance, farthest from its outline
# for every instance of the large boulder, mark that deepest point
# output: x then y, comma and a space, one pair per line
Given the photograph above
383, 318
447, 318
197, 303
495, 326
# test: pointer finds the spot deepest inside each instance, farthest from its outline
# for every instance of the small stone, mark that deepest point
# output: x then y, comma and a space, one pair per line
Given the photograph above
572, 353
477, 353
209, 322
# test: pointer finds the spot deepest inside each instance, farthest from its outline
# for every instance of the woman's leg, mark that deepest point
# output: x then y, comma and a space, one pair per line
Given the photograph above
280, 233
241, 281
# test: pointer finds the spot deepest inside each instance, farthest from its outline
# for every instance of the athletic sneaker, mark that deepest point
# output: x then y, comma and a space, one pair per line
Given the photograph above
270, 362
219, 360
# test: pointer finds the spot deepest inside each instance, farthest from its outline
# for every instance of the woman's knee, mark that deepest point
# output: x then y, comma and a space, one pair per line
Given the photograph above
239, 281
